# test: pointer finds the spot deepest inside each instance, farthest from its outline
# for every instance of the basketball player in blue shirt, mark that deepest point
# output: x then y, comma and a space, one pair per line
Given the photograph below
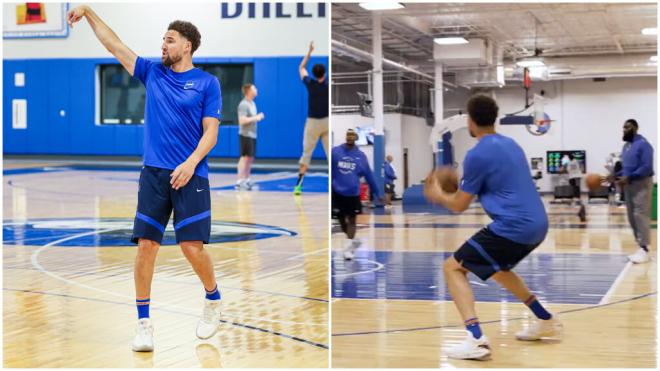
496, 170
348, 165
182, 114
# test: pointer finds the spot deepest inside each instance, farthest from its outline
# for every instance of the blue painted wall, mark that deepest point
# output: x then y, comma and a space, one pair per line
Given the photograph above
52, 85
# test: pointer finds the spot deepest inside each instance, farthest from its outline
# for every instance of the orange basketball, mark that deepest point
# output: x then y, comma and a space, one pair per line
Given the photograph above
447, 179
593, 181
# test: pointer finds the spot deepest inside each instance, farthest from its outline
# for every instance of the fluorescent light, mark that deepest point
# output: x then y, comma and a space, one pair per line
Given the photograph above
654, 58
538, 73
381, 5
531, 63
649, 31
450, 40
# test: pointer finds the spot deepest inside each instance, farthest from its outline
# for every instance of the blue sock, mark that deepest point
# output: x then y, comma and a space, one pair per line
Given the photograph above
472, 325
644, 248
537, 308
213, 294
142, 307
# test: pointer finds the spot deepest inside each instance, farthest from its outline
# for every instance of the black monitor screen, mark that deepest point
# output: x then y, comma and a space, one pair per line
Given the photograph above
558, 161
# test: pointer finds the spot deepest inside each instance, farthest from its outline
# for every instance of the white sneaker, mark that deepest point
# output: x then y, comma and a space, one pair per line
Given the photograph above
641, 256
542, 329
349, 254
208, 324
351, 246
144, 336
471, 348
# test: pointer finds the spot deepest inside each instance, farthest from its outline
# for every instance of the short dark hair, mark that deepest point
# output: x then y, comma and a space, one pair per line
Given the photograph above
189, 31
633, 122
318, 70
246, 88
482, 110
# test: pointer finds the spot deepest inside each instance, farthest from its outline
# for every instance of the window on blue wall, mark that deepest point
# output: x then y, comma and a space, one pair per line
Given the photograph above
123, 97
231, 77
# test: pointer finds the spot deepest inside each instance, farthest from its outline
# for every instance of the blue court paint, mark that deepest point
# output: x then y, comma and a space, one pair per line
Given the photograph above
553, 278
39, 232
311, 184
34, 170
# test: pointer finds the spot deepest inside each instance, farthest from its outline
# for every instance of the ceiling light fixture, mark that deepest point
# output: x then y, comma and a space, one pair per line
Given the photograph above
381, 5
530, 63
450, 40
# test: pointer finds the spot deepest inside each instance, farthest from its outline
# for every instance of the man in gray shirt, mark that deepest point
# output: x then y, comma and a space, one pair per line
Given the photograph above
247, 134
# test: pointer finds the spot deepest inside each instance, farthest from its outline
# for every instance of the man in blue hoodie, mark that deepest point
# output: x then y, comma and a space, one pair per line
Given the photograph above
390, 176
496, 170
348, 165
636, 179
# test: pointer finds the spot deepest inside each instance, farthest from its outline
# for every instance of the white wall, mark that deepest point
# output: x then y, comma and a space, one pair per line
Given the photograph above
415, 137
589, 116
141, 26
401, 131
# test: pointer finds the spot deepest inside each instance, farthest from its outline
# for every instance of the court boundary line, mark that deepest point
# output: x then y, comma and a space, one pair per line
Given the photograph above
379, 266
439, 327
616, 283
35, 262
231, 288
277, 333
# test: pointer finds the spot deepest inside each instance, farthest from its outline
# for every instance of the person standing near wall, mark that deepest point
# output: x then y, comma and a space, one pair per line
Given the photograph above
316, 126
636, 179
574, 178
182, 115
247, 135
348, 165
390, 176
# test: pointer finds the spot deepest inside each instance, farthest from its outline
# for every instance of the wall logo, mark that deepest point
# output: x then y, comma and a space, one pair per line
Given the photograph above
108, 232
272, 10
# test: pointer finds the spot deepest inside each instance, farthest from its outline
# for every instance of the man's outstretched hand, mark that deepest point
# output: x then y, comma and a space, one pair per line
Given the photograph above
76, 14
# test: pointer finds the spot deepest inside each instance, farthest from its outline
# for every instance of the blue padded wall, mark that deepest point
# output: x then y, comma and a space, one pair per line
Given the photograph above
54, 85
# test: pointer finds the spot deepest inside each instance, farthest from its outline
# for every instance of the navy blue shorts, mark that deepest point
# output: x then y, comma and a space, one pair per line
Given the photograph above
157, 199
487, 253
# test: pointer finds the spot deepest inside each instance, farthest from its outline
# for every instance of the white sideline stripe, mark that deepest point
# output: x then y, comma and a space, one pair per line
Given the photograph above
616, 283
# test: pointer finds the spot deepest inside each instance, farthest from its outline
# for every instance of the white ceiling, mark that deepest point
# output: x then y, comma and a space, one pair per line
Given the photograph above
587, 30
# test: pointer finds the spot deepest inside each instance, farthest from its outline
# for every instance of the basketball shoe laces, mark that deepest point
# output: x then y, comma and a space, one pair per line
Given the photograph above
209, 313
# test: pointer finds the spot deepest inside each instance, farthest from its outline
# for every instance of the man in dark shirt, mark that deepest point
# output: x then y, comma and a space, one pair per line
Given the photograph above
316, 126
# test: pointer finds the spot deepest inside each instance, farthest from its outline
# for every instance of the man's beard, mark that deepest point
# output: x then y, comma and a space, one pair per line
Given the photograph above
472, 134
628, 137
168, 61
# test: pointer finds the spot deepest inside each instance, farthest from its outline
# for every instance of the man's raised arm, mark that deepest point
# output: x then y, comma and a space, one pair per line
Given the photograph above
106, 36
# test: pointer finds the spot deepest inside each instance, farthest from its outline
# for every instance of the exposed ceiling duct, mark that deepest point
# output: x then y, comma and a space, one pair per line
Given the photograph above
345, 50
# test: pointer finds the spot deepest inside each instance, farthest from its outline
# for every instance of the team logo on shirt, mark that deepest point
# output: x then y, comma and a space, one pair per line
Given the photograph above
346, 165
109, 232
189, 85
